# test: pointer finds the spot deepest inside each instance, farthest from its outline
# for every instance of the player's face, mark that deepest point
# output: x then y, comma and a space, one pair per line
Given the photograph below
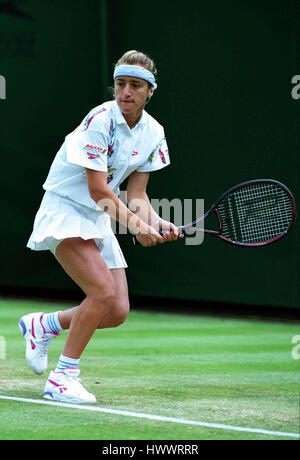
131, 94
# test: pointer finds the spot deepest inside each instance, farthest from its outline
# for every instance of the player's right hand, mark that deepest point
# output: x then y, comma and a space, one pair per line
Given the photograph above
149, 238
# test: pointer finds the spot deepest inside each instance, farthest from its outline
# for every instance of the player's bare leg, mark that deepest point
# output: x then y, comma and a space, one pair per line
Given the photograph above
83, 263
106, 303
116, 315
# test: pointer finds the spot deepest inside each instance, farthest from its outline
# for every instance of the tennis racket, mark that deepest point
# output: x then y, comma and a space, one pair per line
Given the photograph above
250, 214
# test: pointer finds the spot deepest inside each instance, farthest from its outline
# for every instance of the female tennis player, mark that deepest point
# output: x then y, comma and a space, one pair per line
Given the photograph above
115, 141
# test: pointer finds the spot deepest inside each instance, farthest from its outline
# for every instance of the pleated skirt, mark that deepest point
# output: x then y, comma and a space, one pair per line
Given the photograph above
59, 218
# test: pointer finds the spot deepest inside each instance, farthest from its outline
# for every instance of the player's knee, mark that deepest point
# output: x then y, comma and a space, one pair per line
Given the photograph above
120, 312
123, 314
108, 299
103, 300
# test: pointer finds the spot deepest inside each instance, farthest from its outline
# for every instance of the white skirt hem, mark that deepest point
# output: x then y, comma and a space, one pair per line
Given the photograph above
59, 218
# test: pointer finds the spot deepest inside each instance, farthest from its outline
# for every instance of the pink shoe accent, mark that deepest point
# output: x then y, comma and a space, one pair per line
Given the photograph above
61, 388
41, 322
32, 328
54, 383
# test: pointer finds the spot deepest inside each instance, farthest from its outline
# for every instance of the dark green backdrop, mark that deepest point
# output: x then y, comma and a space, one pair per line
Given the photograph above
224, 98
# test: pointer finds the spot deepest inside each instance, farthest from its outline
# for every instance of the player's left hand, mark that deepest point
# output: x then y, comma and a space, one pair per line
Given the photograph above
169, 231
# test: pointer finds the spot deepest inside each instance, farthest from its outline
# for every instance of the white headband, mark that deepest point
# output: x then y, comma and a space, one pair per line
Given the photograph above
135, 71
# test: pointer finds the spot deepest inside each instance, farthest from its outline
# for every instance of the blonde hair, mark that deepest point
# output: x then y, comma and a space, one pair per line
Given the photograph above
134, 57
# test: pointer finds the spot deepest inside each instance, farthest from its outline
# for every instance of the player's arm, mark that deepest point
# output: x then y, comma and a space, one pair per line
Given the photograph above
108, 201
139, 202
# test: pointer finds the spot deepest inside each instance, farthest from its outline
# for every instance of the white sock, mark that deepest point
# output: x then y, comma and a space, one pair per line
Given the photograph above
51, 322
65, 362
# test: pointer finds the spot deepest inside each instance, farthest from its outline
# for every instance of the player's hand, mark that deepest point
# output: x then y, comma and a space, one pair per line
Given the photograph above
149, 238
169, 231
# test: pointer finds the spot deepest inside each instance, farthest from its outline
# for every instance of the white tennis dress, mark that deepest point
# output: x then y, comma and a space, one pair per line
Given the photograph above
102, 142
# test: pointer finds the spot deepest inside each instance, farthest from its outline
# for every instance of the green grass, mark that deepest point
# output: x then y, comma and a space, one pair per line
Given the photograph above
213, 370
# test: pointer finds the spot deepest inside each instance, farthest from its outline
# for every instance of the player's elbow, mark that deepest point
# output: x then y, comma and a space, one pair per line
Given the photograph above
97, 185
101, 196
95, 193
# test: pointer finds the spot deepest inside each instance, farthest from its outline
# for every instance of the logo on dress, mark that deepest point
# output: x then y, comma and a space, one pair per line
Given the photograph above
96, 147
92, 155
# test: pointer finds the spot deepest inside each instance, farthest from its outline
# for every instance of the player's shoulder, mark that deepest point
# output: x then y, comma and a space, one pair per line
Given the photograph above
98, 118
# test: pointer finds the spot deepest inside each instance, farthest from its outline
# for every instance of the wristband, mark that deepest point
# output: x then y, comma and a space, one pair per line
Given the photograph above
156, 222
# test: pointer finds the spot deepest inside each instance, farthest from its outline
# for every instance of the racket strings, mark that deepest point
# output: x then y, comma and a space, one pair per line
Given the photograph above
256, 213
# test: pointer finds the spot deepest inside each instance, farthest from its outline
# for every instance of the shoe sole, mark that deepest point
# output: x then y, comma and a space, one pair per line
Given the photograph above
59, 398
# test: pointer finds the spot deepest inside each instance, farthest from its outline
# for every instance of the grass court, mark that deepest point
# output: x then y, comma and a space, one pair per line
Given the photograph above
215, 371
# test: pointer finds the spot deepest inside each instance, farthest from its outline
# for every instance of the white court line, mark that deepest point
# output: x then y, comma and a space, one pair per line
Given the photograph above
153, 417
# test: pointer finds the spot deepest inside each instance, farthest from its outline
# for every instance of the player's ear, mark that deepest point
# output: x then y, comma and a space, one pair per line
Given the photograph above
151, 92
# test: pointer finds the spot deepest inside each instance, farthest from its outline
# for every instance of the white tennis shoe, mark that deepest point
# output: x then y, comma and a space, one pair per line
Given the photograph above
65, 386
37, 341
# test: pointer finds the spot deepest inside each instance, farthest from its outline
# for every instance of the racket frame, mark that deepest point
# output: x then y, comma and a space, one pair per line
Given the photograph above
214, 210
